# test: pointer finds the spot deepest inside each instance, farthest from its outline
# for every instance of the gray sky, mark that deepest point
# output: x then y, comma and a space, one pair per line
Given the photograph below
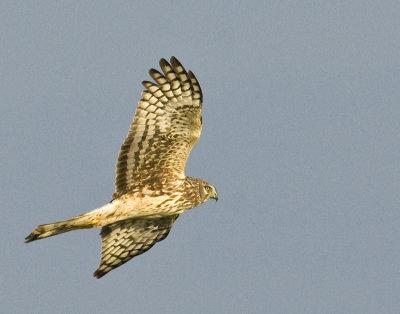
301, 138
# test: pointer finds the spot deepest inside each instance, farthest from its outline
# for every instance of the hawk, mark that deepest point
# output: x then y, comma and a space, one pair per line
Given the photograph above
151, 188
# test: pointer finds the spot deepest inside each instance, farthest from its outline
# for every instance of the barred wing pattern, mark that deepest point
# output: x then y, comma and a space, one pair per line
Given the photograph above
165, 128
126, 239
150, 186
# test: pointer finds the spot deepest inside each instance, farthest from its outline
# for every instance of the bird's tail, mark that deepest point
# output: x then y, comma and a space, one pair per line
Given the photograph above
48, 230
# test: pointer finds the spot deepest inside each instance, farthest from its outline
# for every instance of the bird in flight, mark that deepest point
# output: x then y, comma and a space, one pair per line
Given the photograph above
151, 188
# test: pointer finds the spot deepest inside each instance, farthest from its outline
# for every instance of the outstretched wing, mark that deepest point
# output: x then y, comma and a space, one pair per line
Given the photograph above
165, 128
126, 239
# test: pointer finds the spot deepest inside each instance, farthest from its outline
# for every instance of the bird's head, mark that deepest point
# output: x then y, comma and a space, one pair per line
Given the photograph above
207, 191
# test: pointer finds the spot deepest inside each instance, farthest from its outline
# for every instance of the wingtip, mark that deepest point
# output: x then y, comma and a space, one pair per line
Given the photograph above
163, 63
179, 69
98, 274
191, 75
153, 71
175, 61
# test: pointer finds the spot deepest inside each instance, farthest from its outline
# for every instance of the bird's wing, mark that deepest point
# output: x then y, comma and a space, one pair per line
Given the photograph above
126, 239
165, 128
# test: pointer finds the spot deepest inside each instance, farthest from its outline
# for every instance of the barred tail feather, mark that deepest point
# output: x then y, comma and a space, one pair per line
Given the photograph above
48, 230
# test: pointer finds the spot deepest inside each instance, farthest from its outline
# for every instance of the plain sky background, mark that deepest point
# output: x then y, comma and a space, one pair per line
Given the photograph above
301, 137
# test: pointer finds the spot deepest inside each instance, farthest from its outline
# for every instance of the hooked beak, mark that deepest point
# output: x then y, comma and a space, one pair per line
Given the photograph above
215, 196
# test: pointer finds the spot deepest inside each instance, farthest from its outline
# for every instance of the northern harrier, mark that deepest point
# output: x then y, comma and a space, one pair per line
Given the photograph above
151, 188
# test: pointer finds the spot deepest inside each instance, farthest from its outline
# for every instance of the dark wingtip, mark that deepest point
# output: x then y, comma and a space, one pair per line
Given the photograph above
98, 274
163, 63
175, 62
153, 72
147, 83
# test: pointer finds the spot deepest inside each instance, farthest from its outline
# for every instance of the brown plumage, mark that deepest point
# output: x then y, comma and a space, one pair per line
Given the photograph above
151, 188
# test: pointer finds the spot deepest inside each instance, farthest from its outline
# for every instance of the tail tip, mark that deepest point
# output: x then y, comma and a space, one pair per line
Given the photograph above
32, 237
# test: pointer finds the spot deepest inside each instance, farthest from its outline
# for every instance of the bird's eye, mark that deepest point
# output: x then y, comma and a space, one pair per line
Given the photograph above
207, 188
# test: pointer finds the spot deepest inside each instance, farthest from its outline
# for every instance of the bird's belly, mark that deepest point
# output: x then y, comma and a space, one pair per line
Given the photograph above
130, 206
